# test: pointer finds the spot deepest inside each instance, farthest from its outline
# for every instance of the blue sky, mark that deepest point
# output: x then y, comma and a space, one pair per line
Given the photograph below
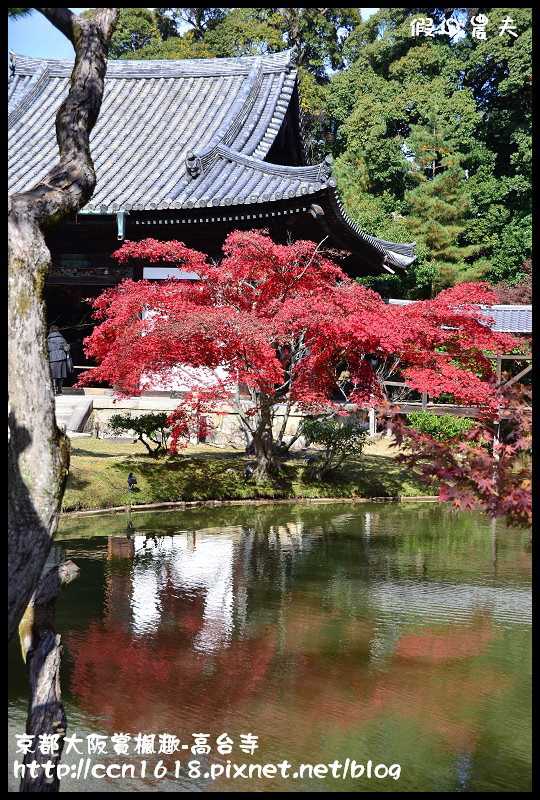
35, 36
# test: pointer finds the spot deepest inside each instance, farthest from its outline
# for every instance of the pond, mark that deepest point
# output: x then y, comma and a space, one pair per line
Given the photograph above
385, 634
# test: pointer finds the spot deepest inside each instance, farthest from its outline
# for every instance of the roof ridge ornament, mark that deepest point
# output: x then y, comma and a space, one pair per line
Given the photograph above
193, 165
293, 59
325, 169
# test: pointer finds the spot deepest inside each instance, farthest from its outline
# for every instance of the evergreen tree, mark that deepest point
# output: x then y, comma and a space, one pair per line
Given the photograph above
436, 210
435, 132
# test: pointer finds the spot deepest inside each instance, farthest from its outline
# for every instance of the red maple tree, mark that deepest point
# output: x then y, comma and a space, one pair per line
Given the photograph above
517, 293
288, 326
487, 470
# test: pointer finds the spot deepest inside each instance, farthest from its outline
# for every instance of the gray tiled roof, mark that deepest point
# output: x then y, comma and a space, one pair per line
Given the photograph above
184, 134
512, 319
506, 318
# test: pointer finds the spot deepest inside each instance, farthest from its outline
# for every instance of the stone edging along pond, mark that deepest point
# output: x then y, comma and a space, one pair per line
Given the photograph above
133, 509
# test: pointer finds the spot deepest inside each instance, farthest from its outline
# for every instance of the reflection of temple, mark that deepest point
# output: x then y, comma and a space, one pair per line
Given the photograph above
202, 570
216, 578
119, 547
193, 574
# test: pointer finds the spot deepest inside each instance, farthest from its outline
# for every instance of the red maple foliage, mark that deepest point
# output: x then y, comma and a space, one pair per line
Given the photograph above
518, 293
484, 471
286, 324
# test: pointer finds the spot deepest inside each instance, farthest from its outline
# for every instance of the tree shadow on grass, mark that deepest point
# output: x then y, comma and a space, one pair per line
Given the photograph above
186, 479
368, 476
220, 476
77, 451
75, 481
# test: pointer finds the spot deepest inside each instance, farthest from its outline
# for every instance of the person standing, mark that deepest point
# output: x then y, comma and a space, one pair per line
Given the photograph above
58, 357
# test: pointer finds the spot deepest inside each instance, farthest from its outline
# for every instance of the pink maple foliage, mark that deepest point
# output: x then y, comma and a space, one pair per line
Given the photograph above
489, 470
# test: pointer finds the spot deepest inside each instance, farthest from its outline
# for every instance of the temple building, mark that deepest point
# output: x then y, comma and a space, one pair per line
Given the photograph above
187, 150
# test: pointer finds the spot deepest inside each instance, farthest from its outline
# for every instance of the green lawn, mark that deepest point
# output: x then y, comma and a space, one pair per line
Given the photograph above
99, 470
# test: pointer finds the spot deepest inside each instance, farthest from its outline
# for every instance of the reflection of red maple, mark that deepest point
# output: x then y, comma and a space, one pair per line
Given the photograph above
430, 682
155, 682
434, 645
160, 681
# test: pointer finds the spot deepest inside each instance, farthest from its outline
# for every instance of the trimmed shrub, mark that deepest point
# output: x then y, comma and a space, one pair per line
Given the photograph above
441, 426
341, 438
150, 429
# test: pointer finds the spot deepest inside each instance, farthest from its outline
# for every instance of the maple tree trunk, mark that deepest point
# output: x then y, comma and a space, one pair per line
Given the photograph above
38, 455
263, 443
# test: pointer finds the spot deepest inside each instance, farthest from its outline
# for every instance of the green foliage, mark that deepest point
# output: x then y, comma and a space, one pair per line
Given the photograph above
437, 208
377, 213
175, 47
340, 437
136, 28
244, 32
315, 119
148, 428
318, 34
200, 20
17, 13
435, 132
441, 427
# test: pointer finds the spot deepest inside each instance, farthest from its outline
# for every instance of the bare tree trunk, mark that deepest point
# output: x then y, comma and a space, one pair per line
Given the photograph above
41, 650
38, 452
46, 715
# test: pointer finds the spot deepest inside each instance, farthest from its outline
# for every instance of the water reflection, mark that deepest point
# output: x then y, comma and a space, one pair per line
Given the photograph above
329, 631
167, 569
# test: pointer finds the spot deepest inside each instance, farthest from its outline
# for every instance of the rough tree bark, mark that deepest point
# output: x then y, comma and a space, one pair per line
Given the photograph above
263, 441
38, 453
41, 649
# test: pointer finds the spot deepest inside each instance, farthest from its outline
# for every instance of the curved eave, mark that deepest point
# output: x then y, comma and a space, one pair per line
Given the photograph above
387, 255
239, 182
233, 179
